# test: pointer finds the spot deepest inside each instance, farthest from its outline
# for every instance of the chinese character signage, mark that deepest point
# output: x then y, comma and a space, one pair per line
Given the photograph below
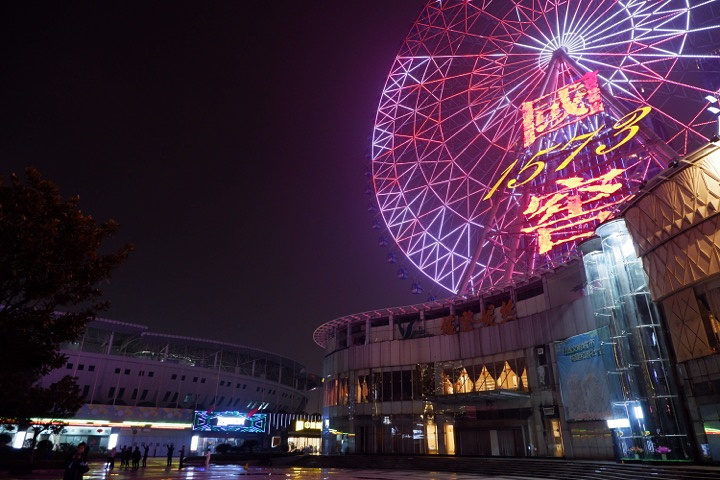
571, 206
563, 107
568, 207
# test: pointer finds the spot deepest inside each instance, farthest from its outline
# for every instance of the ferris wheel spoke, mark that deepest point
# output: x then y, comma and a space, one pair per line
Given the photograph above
449, 127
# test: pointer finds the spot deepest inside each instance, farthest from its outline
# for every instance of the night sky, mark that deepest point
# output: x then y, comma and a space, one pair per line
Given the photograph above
228, 139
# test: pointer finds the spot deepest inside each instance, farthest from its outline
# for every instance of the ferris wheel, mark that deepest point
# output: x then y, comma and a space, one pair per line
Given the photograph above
480, 181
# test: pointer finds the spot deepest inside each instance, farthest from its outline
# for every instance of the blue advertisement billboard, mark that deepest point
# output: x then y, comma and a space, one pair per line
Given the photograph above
583, 364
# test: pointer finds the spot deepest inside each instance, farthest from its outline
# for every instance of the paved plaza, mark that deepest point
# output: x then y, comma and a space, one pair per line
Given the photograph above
157, 470
394, 468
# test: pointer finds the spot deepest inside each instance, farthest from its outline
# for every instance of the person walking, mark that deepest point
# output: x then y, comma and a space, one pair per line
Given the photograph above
146, 449
136, 456
125, 457
110, 464
85, 451
207, 458
182, 457
170, 450
76, 465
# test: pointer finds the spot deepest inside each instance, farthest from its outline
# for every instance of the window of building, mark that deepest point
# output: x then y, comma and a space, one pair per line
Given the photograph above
81, 366
173, 376
151, 374
202, 380
85, 391
111, 392
167, 395
91, 368
362, 387
121, 392
127, 371
426, 379
529, 291
386, 386
406, 382
397, 386
117, 370
134, 394
708, 300
144, 395
69, 366
182, 378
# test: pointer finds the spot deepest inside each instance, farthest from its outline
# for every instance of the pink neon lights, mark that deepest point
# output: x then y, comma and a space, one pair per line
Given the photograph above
451, 174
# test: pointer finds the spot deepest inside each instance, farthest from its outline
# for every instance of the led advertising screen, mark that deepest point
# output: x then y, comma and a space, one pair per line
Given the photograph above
233, 421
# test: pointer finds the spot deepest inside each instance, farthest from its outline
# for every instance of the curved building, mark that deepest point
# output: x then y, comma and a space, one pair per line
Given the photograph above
590, 360
142, 387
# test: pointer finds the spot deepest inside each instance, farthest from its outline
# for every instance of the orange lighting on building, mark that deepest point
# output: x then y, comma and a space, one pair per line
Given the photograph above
557, 214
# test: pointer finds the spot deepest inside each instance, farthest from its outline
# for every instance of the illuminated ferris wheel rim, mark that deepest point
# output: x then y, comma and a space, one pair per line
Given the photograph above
412, 168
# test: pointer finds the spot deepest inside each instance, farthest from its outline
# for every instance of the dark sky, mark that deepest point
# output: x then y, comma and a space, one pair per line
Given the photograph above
229, 139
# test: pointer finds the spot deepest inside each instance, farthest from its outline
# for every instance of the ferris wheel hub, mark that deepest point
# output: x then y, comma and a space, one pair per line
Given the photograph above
462, 197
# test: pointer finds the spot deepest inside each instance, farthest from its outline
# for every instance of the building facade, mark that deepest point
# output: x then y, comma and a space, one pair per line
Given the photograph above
147, 388
589, 361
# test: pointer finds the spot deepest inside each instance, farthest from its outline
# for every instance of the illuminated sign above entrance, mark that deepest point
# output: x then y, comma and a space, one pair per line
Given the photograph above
307, 425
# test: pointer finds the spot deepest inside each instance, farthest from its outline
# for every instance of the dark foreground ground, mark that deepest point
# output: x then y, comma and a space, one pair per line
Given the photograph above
519, 467
311, 467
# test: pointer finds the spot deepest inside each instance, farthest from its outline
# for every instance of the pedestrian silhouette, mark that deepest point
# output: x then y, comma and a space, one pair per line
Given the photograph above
170, 450
136, 456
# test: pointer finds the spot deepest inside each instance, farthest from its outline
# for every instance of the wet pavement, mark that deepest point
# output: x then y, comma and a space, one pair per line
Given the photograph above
157, 470
360, 467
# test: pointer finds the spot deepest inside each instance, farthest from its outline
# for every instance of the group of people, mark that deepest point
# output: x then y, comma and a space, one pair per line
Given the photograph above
127, 455
77, 463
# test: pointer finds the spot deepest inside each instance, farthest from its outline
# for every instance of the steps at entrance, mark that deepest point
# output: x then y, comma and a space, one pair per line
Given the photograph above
517, 467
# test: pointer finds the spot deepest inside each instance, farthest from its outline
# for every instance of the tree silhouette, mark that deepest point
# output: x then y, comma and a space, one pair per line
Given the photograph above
50, 267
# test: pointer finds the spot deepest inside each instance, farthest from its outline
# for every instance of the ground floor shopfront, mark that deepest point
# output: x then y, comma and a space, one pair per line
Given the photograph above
488, 427
161, 430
